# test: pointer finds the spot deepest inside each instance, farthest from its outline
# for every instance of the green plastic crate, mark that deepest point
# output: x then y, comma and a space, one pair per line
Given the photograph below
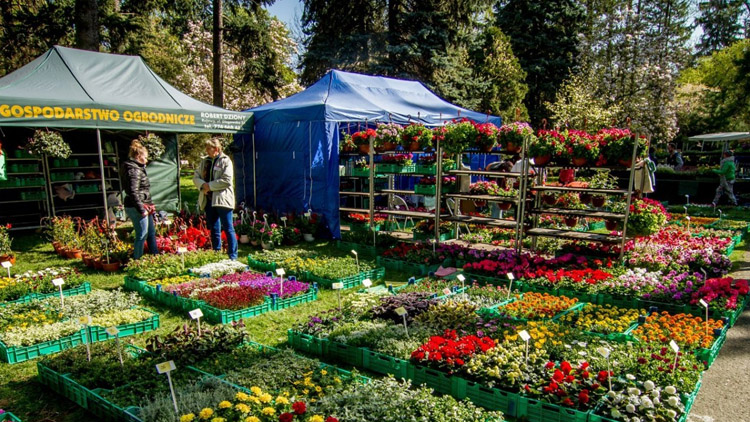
732, 316
384, 364
33, 195
438, 381
87, 188
261, 266
61, 162
443, 236
62, 175
344, 353
539, 411
709, 355
425, 189
389, 263
368, 250
97, 334
9, 417
430, 170
393, 168
352, 281
583, 297
689, 399
619, 301
307, 343
24, 353
596, 415
83, 289
225, 316
360, 172
310, 296
489, 398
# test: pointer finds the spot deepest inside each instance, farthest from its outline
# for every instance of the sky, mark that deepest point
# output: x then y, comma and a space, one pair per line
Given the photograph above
288, 11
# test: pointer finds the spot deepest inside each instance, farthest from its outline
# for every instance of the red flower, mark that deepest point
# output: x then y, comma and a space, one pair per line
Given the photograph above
558, 376
565, 367
299, 407
286, 417
331, 419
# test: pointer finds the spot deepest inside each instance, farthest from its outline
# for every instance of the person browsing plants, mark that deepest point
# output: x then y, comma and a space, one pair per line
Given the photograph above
726, 178
138, 205
214, 177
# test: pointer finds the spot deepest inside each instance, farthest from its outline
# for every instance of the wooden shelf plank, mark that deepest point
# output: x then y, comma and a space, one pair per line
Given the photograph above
487, 221
571, 189
358, 210
398, 192
484, 173
488, 198
414, 214
573, 235
580, 213
355, 193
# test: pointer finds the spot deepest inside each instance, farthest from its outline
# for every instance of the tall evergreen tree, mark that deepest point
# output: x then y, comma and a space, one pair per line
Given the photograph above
544, 37
721, 24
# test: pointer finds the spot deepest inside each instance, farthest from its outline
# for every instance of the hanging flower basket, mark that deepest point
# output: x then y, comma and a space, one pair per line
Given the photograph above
50, 143
153, 144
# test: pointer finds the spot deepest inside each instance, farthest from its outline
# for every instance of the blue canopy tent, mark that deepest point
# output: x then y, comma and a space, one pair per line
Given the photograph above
290, 162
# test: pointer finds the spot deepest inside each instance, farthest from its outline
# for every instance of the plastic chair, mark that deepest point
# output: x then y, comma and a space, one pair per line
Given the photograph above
451, 204
397, 203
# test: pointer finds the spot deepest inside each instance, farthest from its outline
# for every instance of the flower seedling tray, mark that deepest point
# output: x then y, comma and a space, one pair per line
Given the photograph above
394, 168
425, 189
344, 353
497, 310
310, 296
351, 281
539, 411
619, 301
97, 334
361, 249
583, 297
438, 381
389, 263
732, 316
261, 266
360, 172
225, 316
708, 356
307, 343
385, 364
9, 417
487, 397
83, 289
13, 354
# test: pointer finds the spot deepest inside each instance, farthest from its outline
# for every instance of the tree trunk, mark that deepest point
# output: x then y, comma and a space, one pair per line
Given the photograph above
87, 24
218, 82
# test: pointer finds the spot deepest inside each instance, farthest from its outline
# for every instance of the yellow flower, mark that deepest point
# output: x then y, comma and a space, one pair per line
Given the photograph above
206, 413
254, 399
316, 418
252, 419
282, 400
256, 390
187, 418
266, 398
241, 396
242, 408
323, 372
269, 411
305, 391
225, 405
218, 420
318, 389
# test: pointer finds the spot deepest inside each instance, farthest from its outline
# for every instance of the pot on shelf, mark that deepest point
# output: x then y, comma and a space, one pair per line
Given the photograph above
364, 149
579, 161
598, 201
265, 245
585, 197
571, 221
414, 146
486, 149
611, 224
549, 198
389, 146
624, 162
512, 147
504, 205
542, 160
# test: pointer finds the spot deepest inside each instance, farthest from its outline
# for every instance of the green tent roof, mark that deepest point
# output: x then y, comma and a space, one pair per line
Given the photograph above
73, 88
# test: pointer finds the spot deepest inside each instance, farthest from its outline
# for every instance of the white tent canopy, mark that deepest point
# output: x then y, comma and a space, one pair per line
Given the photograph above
721, 137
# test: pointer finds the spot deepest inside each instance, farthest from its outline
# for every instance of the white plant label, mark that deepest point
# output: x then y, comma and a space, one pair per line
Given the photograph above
6, 264
511, 276
604, 352
401, 311
674, 346
354, 252
182, 249
461, 278
337, 286
280, 272
703, 302
447, 291
196, 313
524, 335
58, 282
367, 282
84, 320
112, 331
307, 215
165, 367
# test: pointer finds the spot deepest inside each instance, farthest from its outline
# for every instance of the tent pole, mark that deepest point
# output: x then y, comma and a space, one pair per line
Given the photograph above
255, 188
101, 174
179, 172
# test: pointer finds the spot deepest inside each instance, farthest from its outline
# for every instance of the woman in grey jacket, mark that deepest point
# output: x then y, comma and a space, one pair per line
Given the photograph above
138, 205
214, 177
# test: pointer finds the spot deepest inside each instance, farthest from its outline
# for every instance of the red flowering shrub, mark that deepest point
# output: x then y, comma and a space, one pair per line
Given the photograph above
450, 351
578, 388
234, 297
299, 407
721, 293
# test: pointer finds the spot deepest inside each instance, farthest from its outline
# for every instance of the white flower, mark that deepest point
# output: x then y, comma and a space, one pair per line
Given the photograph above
673, 401
671, 413
612, 394
616, 413
647, 403
630, 408
630, 377
670, 390
634, 391
648, 385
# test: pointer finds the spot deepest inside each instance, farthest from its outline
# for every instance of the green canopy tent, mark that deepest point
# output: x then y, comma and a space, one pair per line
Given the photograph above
78, 89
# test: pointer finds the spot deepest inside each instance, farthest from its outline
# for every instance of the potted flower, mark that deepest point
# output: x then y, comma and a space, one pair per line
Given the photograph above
271, 236
617, 145
571, 201
362, 139
387, 136
308, 225
601, 180
457, 136
416, 136
153, 144
548, 144
582, 147
6, 254
243, 231
292, 235
346, 144
487, 134
255, 232
646, 216
50, 143
511, 136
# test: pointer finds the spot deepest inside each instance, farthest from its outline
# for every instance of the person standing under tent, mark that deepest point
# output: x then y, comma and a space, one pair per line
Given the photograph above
138, 205
675, 158
726, 178
214, 177
645, 175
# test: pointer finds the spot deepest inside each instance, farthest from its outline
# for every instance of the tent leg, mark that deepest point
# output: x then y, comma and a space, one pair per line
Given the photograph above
179, 172
101, 174
255, 186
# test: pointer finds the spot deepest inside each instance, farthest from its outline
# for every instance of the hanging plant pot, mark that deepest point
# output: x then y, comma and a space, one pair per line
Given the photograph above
571, 221
428, 149
504, 205
254, 242
512, 147
267, 246
549, 198
579, 161
585, 198
111, 266
611, 224
542, 160
625, 163
598, 201
414, 146
8, 258
308, 237
364, 149
245, 239
348, 148
389, 146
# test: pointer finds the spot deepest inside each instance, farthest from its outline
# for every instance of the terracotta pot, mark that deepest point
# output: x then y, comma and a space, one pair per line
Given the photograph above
88, 261
585, 197
625, 163
389, 146
504, 205
598, 201
77, 253
70, 253
254, 242
308, 237
579, 161
111, 267
549, 199
571, 221
542, 160
10, 258
56, 246
414, 146
611, 224
364, 149
244, 239
347, 148
512, 147
98, 263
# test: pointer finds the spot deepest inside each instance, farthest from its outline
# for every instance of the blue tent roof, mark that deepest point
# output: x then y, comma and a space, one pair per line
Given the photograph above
351, 97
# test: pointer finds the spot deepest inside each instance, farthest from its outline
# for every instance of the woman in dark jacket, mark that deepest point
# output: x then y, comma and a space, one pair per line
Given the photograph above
138, 205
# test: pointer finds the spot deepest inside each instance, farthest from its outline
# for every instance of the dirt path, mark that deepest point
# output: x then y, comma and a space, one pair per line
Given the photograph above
725, 394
